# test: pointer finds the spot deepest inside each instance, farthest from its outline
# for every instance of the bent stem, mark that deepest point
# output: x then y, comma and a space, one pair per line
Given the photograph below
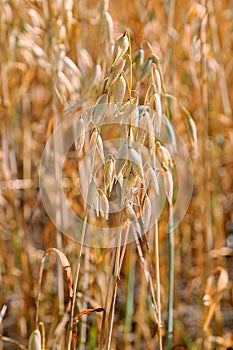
170, 280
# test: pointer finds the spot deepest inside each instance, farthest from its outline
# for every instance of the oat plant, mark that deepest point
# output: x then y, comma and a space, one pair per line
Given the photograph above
124, 74
124, 171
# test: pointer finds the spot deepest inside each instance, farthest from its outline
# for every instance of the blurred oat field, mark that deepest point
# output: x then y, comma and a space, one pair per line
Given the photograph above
56, 59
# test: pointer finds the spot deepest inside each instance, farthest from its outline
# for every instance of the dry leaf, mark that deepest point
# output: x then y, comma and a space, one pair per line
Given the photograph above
85, 312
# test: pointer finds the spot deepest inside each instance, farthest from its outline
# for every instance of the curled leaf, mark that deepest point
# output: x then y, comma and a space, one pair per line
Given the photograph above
67, 271
85, 312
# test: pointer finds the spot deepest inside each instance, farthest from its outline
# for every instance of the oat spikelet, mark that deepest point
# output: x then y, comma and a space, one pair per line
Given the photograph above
136, 163
146, 68
142, 127
92, 197
35, 340
163, 156
151, 178
122, 157
119, 89
109, 173
97, 144
79, 134
168, 182
146, 213
121, 46
138, 57
133, 219
157, 79
103, 204
115, 72
128, 184
100, 109
155, 105
193, 133
129, 111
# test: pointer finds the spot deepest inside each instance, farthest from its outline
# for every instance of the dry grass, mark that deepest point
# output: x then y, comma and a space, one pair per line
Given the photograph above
56, 60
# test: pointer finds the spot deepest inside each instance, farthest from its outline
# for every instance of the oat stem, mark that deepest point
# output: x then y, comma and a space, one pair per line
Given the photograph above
170, 281
76, 282
158, 291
